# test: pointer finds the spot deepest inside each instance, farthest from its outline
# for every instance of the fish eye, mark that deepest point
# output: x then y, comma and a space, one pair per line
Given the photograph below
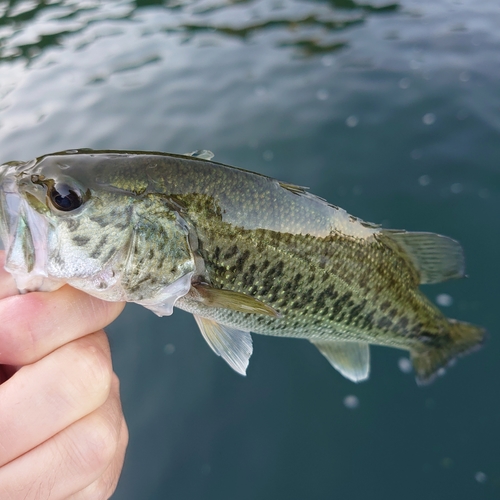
64, 197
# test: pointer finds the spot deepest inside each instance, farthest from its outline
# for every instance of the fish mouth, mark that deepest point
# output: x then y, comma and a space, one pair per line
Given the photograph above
23, 230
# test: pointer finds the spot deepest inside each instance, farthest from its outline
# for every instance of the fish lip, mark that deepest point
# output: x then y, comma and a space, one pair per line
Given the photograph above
15, 183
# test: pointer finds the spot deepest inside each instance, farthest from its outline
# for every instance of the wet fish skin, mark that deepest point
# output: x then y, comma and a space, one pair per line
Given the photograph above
154, 219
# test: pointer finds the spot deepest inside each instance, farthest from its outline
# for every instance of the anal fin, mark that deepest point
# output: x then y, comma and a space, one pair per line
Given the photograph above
351, 359
233, 345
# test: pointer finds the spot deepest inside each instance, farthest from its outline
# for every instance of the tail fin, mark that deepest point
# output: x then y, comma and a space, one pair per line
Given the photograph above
463, 339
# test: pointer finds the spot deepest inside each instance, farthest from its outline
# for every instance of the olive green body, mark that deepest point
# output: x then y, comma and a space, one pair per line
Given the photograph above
241, 251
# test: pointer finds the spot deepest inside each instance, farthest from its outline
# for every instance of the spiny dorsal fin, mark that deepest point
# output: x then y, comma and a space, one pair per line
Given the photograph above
204, 154
236, 301
436, 258
233, 345
351, 359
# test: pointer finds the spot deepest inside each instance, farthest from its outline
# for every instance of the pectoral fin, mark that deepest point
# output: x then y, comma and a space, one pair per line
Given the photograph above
351, 359
233, 345
436, 258
227, 299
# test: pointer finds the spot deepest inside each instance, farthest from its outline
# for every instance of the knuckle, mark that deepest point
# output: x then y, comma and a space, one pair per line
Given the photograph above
93, 368
99, 445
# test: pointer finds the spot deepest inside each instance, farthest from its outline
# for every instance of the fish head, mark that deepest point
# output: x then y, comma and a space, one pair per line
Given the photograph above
67, 218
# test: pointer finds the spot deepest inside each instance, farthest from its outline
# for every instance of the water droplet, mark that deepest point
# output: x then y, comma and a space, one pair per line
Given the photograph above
357, 190
404, 83
405, 365
456, 188
351, 402
414, 64
447, 463
445, 300
205, 469
484, 193
327, 60
424, 180
322, 94
416, 154
429, 118
352, 121
464, 76
169, 349
462, 114
268, 155
260, 91
480, 477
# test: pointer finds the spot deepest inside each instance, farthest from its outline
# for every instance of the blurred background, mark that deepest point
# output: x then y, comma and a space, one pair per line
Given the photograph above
390, 110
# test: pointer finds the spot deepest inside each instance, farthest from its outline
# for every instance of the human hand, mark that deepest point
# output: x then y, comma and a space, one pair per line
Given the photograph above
62, 430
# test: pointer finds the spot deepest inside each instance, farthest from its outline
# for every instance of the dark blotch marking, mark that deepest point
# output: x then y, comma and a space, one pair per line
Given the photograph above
240, 262
231, 252
339, 304
81, 240
354, 313
384, 323
385, 305
99, 248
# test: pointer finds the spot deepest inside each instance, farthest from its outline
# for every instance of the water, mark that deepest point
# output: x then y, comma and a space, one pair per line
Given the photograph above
391, 111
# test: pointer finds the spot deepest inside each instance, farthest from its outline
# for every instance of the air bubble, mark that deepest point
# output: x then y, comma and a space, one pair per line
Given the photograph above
169, 349
445, 300
405, 365
351, 402
268, 155
429, 118
480, 477
424, 180
352, 121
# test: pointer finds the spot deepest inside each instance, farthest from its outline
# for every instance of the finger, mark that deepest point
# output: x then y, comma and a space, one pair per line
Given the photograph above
71, 460
34, 324
7, 283
106, 485
40, 400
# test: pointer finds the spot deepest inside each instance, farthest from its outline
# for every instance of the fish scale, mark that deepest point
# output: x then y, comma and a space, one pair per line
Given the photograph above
241, 251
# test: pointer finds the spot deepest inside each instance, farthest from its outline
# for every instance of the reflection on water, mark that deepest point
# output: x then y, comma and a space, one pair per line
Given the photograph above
28, 27
390, 110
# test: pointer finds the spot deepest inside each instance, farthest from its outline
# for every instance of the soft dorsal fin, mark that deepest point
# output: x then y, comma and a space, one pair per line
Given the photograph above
351, 359
204, 154
233, 345
236, 301
436, 258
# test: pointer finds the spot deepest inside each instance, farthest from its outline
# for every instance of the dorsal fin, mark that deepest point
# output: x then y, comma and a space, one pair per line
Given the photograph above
436, 258
204, 154
351, 359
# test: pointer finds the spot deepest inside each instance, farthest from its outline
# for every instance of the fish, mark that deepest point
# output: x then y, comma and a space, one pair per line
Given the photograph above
241, 251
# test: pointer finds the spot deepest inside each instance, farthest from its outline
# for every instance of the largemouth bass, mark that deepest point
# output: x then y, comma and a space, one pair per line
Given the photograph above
240, 251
